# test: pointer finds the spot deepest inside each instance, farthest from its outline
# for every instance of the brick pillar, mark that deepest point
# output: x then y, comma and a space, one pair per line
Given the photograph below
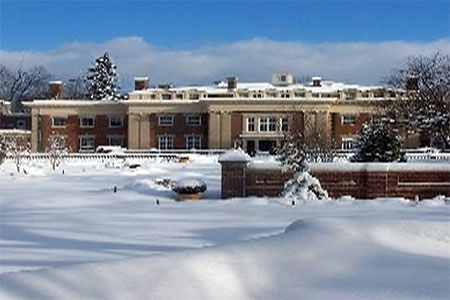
233, 178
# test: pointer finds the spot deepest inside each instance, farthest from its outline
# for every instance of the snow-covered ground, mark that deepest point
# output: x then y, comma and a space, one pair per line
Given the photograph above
69, 236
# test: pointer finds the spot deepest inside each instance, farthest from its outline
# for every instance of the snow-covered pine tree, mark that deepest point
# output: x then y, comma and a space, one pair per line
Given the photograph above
378, 142
302, 186
102, 79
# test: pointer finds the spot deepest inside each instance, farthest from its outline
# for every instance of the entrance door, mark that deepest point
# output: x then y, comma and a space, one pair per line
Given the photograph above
251, 147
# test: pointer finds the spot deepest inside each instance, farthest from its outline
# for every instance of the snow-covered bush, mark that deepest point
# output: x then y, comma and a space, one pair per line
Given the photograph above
18, 147
56, 150
378, 142
292, 155
189, 186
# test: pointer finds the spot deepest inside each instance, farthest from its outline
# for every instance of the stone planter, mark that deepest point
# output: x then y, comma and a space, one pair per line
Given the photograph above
185, 197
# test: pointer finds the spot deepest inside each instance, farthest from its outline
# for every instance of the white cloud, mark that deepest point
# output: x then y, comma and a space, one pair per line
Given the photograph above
250, 60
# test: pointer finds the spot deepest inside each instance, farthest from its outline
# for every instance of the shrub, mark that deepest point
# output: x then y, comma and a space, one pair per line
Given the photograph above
189, 186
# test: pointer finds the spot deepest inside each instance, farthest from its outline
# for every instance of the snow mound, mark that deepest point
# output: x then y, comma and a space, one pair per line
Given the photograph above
234, 155
316, 259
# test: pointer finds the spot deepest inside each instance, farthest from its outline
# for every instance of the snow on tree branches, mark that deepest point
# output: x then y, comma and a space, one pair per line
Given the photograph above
102, 80
302, 186
378, 142
56, 150
426, 105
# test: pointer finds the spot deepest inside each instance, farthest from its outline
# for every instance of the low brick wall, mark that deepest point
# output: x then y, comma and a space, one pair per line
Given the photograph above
362, 181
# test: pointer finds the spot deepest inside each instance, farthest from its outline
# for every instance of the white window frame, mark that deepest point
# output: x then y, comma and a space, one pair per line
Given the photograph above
116, 118
121, 137
345, 121
347, 143
166, 145
86, 126
272, 124
81, 149
189, 119
251, 121
164, 123
193, 140
59, 126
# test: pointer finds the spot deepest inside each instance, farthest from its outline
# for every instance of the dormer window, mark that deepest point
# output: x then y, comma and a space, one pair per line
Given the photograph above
166, 96
194, 96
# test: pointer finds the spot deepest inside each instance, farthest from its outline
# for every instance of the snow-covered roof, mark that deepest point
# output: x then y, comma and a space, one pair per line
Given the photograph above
64, 102
222, 87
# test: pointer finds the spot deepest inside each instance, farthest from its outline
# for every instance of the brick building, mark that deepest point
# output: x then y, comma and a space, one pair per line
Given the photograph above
209, 117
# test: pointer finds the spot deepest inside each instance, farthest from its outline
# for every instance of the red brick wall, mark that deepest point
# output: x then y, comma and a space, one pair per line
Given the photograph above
338, 129
72, 131
178, 130
359, 184
233, 177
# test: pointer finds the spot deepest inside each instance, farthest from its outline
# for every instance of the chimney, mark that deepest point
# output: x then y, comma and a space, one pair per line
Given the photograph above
412, 83
231, 82
141, 83
317, 81
55, 89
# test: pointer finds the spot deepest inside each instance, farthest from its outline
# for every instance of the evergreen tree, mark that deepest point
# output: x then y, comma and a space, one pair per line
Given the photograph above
302, 186
378, 142
102, 79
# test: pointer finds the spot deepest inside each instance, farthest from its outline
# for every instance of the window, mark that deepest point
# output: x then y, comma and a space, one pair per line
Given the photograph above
243, 95
300, 95
350, 95
194, 120
348, 120
86, 122
116, 122
347, 143
165, 120
271, 95
165, 142
166, 96
193, 142
194, 96
115, 140
86, 143
59, 122
316, 95
267, 124
251, 124
179, 96
284, 124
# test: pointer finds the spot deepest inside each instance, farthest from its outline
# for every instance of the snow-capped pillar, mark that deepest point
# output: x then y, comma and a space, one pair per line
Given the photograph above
234, 162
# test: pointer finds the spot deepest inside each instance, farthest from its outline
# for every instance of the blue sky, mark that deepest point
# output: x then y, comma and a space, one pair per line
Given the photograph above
196, 42
41, 25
